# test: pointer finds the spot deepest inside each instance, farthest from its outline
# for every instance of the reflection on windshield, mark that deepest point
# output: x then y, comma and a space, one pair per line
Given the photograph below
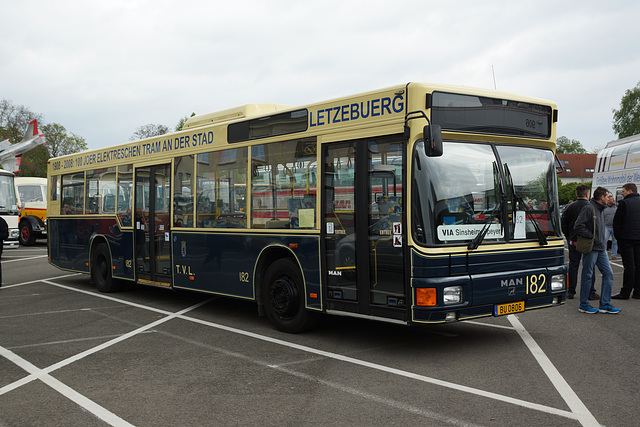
7, 193
459, 194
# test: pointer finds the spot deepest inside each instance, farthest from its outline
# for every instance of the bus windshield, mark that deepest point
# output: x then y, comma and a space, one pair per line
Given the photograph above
7, 194
507, 190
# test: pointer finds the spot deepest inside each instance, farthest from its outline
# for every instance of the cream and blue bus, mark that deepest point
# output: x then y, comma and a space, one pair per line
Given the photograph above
415, 204
618, 164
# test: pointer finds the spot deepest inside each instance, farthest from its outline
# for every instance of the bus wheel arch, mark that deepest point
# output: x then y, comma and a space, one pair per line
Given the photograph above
101, 266
281, 292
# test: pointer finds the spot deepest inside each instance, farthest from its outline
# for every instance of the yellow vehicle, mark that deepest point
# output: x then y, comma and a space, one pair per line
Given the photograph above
32, 203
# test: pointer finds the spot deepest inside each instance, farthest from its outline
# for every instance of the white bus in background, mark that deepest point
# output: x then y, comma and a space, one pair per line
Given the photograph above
31, 193
618, 164
9, 207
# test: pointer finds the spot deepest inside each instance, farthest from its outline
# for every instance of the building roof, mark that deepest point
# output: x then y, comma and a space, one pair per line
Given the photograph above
577, 165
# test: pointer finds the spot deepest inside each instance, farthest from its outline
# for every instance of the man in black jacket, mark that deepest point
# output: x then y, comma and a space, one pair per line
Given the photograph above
626, 228
569, 217
590, 225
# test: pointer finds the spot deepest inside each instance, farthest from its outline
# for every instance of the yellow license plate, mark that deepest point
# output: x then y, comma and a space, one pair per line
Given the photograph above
512, 307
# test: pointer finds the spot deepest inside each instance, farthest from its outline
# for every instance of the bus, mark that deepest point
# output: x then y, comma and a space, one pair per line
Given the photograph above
416, 204
32, 203
618, 164
9, 207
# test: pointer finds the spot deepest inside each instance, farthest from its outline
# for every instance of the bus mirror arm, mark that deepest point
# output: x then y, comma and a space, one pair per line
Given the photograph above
432, 140
432, 134
559, 164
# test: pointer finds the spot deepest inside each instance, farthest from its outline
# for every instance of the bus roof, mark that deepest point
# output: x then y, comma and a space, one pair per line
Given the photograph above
30, 180
623, 141
235, 113
124, 152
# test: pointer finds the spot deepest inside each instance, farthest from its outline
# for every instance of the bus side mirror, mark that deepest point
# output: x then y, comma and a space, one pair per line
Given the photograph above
432, 140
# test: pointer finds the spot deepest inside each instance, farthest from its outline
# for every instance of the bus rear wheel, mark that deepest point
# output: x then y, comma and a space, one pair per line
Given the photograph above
26, 237
283, 296
101, 270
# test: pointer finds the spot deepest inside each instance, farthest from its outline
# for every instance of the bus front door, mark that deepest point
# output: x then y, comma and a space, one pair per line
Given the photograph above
152, 224
363, 228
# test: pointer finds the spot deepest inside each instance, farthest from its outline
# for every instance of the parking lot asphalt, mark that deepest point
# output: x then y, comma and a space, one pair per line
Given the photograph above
70, 355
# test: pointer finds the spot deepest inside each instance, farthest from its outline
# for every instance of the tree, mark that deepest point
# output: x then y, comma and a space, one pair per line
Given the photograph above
149, 131
565, 145
182, 122
34, 162
60, 143
14, 120
567, 191
626, 120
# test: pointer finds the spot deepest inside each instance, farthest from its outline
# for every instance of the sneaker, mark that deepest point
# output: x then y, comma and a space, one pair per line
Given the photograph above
587, 309
609, 309
614, 258
594, 296
570, 295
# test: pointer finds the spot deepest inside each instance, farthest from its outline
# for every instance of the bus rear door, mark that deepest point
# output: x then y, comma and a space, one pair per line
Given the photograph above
152, 224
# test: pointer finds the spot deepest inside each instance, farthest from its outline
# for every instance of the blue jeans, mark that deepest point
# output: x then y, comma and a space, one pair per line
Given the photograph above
574, 266
608, 232
600, 260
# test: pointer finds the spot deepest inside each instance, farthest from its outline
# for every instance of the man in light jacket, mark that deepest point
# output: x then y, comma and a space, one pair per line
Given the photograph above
584, 227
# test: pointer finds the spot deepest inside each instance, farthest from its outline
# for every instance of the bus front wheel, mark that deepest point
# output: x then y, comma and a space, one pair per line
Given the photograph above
101, 270
283, 296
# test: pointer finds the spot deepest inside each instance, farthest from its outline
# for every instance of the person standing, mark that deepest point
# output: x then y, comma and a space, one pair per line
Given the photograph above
609, 213
626, 228
4, 235
569, 217
584, 227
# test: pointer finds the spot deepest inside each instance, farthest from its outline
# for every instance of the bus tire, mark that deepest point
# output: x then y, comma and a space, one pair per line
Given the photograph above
26, 236
101, 270
283, 296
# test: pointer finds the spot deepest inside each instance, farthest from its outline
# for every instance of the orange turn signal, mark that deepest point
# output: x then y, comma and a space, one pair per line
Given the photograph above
426, 297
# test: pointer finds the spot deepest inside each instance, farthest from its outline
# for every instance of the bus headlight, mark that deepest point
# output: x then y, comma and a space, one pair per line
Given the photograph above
452, 295
557, 282
14, 234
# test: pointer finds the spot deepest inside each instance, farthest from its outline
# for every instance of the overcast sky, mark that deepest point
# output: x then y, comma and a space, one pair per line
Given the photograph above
104, 68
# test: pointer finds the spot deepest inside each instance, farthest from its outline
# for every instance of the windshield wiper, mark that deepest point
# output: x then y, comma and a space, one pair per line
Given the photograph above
541, 237
487, 223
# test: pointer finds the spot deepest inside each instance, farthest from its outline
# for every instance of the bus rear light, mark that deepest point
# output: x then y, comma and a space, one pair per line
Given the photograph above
452, 295
426, 297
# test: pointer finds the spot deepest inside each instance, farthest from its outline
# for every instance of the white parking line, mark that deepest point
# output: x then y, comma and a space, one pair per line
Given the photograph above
4, 261
570, 397
578, 410
36, 373
82, 401
347, 359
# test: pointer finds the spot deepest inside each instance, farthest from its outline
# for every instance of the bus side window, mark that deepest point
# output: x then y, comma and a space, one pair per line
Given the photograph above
55, 190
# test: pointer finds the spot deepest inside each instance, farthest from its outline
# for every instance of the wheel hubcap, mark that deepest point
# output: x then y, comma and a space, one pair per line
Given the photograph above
284, 297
